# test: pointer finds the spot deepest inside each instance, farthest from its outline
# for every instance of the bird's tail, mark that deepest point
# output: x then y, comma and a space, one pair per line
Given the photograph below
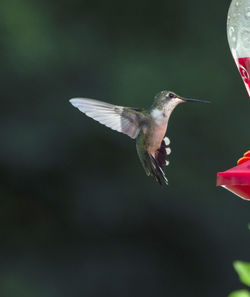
154, 165
156, 171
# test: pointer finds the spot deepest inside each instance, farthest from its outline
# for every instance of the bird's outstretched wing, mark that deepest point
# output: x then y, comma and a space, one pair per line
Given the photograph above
119, 118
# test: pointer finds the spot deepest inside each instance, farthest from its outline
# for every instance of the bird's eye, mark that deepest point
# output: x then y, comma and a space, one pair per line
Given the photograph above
171, 95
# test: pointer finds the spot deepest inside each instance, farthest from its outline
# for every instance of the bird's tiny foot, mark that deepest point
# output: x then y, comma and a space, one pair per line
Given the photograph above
167, 162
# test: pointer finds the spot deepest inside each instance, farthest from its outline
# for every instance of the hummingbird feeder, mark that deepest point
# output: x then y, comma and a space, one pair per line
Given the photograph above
237, 179
238, 34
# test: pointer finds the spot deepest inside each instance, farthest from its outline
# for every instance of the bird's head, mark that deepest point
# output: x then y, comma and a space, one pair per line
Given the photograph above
168, 99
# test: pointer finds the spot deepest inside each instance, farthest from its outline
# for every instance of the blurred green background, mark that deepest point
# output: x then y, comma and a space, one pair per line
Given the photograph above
78, 215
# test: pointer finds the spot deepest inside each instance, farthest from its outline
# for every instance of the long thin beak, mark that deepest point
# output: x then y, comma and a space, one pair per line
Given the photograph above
194, 100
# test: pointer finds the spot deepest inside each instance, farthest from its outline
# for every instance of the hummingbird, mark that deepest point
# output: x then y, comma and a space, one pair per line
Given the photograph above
147, 127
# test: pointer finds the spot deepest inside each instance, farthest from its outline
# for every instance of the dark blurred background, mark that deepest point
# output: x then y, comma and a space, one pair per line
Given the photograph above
78, 215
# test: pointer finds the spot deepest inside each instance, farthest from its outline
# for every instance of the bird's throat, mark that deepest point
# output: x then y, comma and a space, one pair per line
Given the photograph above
158, 116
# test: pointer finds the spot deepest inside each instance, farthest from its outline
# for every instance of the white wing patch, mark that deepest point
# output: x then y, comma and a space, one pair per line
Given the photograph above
112, 116
167, 141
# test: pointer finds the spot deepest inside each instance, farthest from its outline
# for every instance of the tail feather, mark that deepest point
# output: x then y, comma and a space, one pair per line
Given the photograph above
154, 164
157, 171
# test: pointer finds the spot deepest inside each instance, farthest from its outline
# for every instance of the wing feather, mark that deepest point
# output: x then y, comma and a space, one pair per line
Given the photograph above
119, 118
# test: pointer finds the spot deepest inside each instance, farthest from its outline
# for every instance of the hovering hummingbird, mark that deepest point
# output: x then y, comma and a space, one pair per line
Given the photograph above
148, 127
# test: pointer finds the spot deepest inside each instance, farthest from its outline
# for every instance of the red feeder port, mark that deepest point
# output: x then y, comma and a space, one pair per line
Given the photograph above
237, 179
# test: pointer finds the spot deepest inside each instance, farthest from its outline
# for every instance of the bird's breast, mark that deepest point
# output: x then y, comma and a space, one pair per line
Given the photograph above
155, 136
156, 130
